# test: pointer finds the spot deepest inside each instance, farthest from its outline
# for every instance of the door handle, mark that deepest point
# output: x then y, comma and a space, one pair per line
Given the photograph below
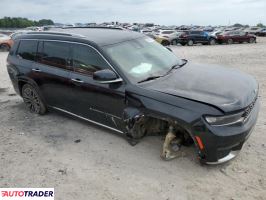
77, 80
36, 70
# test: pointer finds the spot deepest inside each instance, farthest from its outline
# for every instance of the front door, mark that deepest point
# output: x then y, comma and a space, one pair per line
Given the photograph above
99, 102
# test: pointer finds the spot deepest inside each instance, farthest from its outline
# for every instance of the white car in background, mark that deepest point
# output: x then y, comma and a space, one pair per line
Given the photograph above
167, 37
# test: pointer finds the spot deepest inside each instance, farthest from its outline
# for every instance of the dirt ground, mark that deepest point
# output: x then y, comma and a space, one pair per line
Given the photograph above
83, 161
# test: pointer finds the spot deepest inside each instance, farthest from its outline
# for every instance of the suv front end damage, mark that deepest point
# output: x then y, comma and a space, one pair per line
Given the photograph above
215, 143
219, 144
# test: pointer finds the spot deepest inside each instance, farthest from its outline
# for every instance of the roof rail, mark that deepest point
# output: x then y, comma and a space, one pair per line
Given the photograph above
47, 33
53, 33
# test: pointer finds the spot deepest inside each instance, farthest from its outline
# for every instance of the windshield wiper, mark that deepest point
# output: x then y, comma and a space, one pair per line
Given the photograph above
176, 66
149, 78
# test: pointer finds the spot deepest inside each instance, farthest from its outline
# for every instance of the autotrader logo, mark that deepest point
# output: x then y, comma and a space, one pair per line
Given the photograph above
26, 193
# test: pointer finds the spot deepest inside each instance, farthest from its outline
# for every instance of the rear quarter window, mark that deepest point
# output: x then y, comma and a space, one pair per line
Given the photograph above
27, 49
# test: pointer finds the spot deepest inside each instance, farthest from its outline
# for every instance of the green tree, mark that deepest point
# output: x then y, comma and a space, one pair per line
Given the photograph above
45, 22
18, 22
238, 25
260, 25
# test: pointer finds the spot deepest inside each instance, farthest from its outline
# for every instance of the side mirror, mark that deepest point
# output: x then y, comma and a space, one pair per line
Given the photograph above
106, 76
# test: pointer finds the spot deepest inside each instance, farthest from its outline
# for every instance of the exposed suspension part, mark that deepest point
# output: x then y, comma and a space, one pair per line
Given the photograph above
171, 145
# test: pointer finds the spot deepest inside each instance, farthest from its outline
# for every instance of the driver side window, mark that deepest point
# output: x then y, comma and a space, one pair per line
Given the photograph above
86, 60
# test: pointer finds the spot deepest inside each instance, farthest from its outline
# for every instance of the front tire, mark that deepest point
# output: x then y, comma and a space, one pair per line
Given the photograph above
165, 43
212, 41
190, 42
251, 40
33, 100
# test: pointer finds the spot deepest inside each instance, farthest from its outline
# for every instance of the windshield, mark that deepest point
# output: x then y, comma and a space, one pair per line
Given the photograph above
142, 58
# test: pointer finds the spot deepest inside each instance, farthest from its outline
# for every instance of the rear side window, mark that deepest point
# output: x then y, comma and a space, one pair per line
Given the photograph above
195, 32
167, 32
27, 49
55, 54
86, 60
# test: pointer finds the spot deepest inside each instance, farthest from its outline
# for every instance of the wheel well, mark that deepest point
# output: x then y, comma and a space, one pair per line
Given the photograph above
20, 85
5, 44
149, 126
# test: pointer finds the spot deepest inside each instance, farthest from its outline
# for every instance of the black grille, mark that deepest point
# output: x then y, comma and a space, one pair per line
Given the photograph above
249, 109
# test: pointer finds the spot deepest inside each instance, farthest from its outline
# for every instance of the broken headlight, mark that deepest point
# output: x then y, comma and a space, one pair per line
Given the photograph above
225, 119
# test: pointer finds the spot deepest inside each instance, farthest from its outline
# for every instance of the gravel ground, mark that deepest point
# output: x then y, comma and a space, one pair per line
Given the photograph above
83, 161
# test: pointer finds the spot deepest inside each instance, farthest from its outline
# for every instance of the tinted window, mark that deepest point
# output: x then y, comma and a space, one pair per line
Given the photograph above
87, 60
167, 32
195, 32
27, 49
55, 54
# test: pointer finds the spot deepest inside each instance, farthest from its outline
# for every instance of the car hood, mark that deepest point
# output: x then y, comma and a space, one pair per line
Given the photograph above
225, 88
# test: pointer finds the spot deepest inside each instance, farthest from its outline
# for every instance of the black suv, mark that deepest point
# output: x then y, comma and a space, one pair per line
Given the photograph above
127, 82
194, 37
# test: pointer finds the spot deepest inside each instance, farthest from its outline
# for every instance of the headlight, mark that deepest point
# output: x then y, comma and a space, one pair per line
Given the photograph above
225, 119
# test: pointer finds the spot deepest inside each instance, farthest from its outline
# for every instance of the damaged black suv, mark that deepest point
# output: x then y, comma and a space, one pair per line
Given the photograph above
128, 83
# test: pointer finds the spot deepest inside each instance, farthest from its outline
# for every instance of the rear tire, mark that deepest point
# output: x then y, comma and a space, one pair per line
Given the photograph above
174, 42
229, 41
33, 100
190, 42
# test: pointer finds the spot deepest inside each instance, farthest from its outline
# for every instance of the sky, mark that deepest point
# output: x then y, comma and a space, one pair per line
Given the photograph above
163, 12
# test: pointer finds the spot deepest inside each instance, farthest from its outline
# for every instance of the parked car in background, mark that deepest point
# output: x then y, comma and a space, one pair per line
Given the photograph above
146, 31
215, 33
167, 37
5, 42
262, 32
231, 37
17, 33
193, 37
253, 30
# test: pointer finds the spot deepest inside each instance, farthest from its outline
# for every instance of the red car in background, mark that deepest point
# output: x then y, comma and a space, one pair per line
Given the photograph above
5, 42
235, 37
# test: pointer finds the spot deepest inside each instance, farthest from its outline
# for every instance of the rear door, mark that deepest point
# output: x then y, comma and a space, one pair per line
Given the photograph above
195, 35
51, 73
204, 37
102, 103
235, 36
243, 36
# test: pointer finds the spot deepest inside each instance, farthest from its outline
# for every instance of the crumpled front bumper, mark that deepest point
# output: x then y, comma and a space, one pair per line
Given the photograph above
223, 143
